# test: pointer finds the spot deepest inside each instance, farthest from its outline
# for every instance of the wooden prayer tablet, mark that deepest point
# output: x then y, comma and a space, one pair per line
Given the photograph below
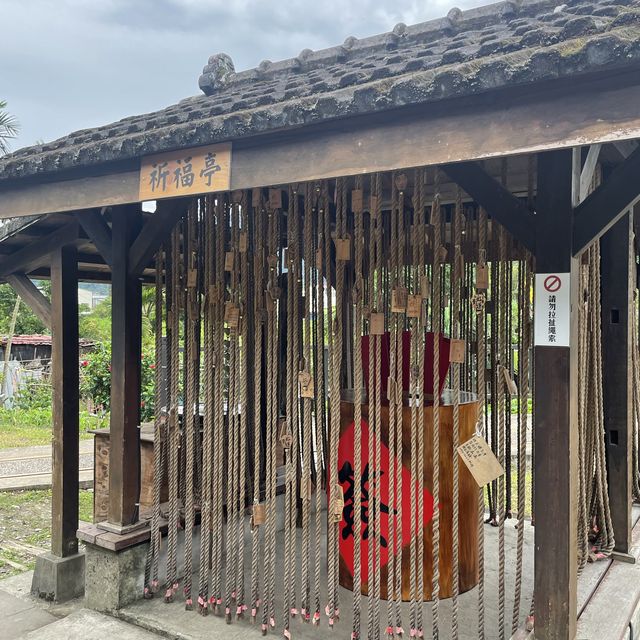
337, 504
192, 278
509, 381
376, 324
399, 300
228, 261
343, 249
357, 200
275, 198
425, 287
256, 196
479, 459
482, 276
258, 514
457, 351
243, 242
414, 306
305, 381
232, 314
373, 204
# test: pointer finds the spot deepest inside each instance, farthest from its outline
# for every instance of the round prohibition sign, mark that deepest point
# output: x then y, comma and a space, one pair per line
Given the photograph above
552, 283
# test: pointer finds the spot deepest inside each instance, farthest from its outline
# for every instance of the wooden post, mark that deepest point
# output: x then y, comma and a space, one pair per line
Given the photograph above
617, 315
556, 412
65, 399
126, 329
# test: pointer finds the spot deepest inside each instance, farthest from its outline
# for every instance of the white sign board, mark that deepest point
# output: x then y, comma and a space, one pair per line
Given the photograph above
552, 309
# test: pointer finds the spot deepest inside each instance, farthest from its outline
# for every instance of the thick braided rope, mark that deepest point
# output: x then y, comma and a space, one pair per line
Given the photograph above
524, 300
392, 399
437, 303
189, 415
307, 426
218, 497
377, 471
207, 436
455, 310
398, 390
174, 433
336, 361
258, 271
420, 242
320, 407
503, 304
482, 390
357, 420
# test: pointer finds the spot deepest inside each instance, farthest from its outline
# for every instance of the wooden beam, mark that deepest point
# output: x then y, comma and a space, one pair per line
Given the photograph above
34, 298
126, 332
65, 399
588, 171
608, 203
556, 417
38, 253
154, 233
510, 123
98, 230
499, 202
617, 265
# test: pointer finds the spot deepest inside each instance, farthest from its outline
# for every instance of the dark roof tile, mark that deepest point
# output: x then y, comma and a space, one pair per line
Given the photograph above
508, 43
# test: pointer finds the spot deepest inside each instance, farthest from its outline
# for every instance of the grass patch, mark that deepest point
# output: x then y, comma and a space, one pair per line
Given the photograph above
32, 427
25, 526
514, 495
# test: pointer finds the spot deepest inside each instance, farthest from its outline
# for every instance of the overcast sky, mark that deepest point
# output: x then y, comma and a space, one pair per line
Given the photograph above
70, 64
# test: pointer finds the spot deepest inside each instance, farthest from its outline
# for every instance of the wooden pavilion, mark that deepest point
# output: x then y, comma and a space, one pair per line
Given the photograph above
514, 107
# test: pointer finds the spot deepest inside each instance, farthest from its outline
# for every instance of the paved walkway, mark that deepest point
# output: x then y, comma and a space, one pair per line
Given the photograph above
30, 467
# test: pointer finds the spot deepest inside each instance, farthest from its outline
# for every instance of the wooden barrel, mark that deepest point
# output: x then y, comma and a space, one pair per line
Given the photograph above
467, 501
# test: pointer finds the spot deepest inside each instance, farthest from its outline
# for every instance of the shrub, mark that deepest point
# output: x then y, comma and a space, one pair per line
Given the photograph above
96, 380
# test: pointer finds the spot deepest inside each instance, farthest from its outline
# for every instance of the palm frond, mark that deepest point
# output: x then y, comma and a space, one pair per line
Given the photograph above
9, 128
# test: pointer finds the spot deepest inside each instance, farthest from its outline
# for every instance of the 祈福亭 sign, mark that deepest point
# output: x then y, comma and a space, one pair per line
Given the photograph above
552, 310
186, 172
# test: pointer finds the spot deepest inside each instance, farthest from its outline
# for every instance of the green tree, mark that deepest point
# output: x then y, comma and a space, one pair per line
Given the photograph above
27, 321
8, 128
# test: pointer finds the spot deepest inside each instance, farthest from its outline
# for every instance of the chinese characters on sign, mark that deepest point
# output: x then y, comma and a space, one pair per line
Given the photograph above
186, 172
552, 309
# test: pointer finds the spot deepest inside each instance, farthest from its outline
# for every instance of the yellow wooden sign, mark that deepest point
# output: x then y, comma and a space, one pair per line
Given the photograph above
186, 172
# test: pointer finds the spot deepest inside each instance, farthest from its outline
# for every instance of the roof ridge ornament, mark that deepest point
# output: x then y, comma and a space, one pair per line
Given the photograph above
218, 73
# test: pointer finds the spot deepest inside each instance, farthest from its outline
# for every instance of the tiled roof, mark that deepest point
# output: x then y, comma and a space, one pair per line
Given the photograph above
510, 43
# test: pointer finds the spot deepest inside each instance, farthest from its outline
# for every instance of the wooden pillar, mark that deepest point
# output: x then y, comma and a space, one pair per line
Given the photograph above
65, 399
556, 416
126, 329
617, 315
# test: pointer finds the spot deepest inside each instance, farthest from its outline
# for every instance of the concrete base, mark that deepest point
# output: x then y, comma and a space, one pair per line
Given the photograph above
58, 579
114, 579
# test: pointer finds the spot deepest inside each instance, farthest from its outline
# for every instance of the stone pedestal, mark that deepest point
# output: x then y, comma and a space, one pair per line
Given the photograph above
58, 579
114, 579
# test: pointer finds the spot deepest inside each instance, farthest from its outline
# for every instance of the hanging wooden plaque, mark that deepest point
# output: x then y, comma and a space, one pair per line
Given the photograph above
401, 181
414, 306
509, 382
192, 278
480, 460
232, 315
305, 380
258, 514
343, 249
425, 287
256, 196
376, 324
228, 261
357, 200
399, 300
243, 242
457, 350
373, 204
482, 277
275, 198
337, 504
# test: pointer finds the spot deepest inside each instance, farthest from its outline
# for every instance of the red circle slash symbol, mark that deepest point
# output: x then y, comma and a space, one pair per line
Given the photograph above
552, 283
